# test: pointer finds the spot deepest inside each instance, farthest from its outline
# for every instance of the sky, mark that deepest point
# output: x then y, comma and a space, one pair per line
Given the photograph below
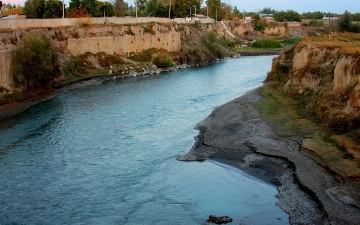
300, 6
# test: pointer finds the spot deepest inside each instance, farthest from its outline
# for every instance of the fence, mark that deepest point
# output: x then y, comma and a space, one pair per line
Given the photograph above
63, 22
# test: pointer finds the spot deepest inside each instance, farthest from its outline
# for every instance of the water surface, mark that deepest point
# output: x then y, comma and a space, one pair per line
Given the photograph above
106, 154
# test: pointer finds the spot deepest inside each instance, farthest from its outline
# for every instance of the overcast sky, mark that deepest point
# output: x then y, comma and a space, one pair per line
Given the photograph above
300, 6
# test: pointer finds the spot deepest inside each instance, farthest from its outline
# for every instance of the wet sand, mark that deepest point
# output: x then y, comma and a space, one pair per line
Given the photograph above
235, 134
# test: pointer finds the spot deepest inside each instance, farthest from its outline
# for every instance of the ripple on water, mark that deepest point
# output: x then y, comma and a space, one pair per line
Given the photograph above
106, 154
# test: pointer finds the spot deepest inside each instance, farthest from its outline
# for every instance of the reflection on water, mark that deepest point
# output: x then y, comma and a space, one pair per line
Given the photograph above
106, 154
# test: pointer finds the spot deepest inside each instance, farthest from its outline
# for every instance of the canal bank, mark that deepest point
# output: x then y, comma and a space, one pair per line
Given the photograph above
235, 133
106, 153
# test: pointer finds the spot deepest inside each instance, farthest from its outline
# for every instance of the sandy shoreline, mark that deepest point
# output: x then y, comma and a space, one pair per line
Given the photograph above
235, 134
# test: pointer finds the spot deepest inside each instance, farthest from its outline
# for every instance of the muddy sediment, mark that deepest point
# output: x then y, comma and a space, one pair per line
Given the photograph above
236, 134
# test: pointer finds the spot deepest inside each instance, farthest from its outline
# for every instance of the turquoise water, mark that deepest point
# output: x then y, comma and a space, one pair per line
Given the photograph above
106, 153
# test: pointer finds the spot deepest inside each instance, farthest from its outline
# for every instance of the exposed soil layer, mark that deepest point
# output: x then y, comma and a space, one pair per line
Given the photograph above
308, 192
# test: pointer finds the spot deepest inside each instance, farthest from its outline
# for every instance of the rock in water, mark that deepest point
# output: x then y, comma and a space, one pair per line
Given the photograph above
219, 219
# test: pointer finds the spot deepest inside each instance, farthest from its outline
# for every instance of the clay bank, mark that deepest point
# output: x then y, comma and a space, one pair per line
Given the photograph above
123, 37
302, 126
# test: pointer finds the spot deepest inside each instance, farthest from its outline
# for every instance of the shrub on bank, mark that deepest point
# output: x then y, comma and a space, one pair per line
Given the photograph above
317, 23
146, 55
193, 55
163, 61
291, 41
208, 49
266, 43
36, 61
212, 43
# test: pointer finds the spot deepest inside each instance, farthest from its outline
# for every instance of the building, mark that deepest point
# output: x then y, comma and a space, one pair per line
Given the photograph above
329, 19
195, 17
269, 19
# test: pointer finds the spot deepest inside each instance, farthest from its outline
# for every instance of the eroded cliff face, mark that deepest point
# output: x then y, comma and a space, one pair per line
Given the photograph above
346, 78
325, 80
6, 68
122, 40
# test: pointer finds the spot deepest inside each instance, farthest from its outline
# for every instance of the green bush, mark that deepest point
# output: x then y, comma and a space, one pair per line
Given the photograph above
162, 61
146, 55
36, 60
259, 27
209, 49
129, 32
291, 41
266, 43
213, 45
316, 23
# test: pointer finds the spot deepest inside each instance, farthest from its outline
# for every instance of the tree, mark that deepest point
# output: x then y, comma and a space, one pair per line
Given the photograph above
157, 8
34, 9
237, 12
356, 16
259, 23
78, 13
182, 8
8, 9
140, 6
214, 7
289, 15
268, 11
40, 9
313, 15
107, 9
91, 6
119, 8
73, 4
53, 9
345, 22
36, 60
225, 12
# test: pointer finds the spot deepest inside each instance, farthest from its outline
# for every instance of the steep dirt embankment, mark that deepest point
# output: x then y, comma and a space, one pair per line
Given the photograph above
115, 39
324, 77
111, 39
262, 129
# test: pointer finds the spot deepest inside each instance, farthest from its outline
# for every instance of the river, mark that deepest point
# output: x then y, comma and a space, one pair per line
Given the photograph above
105, 153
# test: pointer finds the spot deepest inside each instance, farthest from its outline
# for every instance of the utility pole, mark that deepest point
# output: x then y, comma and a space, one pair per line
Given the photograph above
329, 26
195, 12
63, 9
169, 9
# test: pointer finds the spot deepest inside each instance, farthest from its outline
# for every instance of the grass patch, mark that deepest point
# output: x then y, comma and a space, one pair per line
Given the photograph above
285, 122
348, 43
266, 43
340, 153
163, 61
145, 56
291, 41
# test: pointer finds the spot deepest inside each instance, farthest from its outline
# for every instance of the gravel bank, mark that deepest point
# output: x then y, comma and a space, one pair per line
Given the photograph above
235, 132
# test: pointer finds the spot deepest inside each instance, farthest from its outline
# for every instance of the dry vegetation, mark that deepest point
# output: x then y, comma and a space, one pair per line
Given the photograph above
316, 115
348, 43
339, 153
